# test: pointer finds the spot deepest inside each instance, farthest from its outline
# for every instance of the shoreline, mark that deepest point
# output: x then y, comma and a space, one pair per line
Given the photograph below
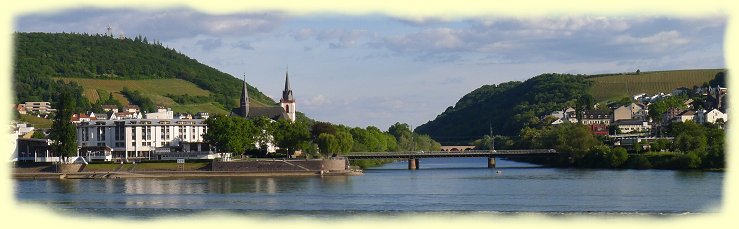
178, 174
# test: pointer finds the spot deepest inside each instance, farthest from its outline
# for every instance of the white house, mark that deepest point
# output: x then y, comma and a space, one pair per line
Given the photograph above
703, 116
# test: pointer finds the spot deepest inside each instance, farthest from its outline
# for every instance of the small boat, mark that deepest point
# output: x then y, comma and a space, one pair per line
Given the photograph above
498, 171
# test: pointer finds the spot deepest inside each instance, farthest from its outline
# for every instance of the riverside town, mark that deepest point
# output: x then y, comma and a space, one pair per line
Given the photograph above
416, 117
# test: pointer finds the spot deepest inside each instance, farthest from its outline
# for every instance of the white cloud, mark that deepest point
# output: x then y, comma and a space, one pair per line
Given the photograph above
661, 40
336, 38
318, 100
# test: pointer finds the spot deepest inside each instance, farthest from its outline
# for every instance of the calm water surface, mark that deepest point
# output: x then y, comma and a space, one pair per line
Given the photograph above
456, 185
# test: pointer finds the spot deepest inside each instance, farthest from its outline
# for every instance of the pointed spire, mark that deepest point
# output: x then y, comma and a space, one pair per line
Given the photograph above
244, 102
287, 94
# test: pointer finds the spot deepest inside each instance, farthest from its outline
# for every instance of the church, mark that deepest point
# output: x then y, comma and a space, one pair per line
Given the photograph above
285, 111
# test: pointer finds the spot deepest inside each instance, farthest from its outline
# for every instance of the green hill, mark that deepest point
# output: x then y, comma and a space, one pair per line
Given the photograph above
508, 107
90, 63
615, 86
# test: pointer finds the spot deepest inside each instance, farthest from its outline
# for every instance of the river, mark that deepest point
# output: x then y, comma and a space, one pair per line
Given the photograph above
444, 185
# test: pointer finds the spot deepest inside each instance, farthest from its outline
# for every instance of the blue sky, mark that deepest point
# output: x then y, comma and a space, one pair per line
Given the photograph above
375, 69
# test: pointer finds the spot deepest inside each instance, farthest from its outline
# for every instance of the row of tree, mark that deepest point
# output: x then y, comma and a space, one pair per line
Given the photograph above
318, 139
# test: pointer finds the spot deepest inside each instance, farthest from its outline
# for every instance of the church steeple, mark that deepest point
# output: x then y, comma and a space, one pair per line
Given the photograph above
244, 102
287, 101
287, 94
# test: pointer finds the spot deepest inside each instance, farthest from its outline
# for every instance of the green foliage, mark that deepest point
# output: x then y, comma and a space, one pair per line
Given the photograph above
573, 138
507, 107
135, 97
690, 160
638, 162
659, 107
690, 136
63, 132
660, 145
35, 121
718, 80
290, 136
230, 133
617, 157
327, 144
40, 56
38, 134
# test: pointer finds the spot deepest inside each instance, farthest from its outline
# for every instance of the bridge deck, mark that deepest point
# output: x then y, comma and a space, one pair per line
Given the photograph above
468, 153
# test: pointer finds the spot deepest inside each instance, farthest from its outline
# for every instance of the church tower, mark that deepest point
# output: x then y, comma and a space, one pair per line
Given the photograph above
244, 102
287, 101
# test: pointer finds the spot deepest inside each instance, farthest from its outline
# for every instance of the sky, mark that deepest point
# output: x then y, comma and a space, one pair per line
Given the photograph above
376, 69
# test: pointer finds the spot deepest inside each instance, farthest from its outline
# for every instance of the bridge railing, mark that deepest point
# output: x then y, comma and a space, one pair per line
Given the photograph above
497, 152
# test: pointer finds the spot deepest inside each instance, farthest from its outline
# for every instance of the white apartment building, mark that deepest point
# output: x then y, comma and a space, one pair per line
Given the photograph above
139, 138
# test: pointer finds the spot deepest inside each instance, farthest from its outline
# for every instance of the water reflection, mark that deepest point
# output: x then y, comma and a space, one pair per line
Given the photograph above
390, 190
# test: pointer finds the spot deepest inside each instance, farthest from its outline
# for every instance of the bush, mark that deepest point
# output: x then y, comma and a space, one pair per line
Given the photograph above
638, 162
689, 160
617, 157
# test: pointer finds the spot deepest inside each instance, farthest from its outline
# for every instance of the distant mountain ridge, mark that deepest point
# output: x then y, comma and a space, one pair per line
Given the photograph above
41, 56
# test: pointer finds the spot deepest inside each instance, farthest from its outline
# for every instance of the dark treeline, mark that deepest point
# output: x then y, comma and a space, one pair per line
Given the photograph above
41, 56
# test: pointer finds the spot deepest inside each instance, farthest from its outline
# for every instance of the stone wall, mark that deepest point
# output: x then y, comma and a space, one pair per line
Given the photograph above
280, 165
70, 168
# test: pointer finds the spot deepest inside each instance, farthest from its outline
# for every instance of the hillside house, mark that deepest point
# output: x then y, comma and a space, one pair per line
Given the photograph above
632, 125
703, 116
109, 108
596, 117
131, 108
684, 116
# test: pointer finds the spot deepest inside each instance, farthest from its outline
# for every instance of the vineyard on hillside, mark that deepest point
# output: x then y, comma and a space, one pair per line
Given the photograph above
611, 87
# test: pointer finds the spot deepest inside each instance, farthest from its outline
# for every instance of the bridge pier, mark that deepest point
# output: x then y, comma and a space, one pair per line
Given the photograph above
491, 162
413, 163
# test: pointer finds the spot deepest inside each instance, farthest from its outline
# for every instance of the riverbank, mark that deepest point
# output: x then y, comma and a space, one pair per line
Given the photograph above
175, 174
154, 169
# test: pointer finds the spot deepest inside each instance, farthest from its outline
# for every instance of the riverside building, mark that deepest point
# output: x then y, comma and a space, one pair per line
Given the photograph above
137, 139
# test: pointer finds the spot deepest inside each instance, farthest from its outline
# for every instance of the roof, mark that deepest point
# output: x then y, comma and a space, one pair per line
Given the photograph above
131, 106
687, 112
630, 122
596, 112
273, 113
109, 106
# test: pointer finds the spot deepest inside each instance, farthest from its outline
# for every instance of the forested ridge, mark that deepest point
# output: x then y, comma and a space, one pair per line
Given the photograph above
505, 108
41, 56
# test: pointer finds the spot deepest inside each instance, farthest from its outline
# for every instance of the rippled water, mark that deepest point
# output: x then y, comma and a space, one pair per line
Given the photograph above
456, 185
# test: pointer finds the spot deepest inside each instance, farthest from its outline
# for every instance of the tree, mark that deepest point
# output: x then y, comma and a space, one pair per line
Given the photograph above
230, 133
327, 144
63, 132
344, 141
290, 135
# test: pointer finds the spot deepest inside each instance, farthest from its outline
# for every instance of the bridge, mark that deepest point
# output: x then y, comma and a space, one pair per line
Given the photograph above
414, 156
